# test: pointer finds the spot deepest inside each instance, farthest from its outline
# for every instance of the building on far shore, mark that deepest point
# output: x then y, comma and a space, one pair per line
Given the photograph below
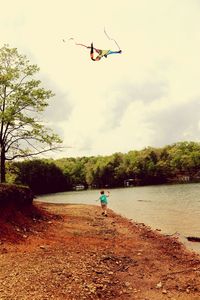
129, 182
79, 187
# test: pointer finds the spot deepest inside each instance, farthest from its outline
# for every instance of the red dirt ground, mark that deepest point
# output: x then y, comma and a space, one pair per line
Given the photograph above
72, 252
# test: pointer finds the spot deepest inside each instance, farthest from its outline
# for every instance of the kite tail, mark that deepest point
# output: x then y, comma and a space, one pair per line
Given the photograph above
112, 39
78, 44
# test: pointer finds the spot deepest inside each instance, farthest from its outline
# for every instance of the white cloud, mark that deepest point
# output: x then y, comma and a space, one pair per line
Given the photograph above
143, 97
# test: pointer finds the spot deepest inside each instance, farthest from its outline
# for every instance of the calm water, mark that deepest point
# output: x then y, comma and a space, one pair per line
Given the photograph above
170, 208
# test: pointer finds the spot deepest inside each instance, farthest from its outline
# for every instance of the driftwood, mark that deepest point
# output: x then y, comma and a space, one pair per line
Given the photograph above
193, 239
181, 271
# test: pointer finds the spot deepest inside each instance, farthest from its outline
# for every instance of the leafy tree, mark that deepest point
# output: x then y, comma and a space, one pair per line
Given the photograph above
185, 158
42, 176
90, 172
74, 168
116, 164
22, 100
132, 165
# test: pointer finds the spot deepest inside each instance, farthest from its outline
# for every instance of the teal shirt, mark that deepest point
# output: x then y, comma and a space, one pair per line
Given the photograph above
103, 199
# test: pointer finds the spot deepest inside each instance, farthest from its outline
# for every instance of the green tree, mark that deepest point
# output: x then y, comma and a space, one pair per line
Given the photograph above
42, 176
22, 100
185, 158
74, 168
90, 172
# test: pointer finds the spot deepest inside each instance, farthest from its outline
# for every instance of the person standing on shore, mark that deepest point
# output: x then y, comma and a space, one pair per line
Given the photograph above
104, 202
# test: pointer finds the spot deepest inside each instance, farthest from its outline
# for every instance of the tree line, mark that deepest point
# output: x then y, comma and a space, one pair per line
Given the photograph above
179, 162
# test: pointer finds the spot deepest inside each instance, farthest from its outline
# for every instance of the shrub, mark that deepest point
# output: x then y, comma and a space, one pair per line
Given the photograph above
15, 195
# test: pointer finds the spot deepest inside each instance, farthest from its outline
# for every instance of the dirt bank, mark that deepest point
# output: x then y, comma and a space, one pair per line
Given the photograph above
73, 252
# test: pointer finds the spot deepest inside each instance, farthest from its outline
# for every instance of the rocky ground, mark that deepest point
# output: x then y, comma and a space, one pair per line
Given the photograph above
73, 252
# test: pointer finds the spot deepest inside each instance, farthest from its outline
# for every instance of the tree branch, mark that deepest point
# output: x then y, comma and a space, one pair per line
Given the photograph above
33, 154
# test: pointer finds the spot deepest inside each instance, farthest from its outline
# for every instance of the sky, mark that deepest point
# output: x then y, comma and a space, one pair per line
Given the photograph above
149, 95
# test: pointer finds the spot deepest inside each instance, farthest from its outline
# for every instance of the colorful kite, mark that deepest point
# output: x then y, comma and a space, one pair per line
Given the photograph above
100, 53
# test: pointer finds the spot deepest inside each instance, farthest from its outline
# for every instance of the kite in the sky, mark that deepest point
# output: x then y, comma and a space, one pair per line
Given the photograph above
100, 53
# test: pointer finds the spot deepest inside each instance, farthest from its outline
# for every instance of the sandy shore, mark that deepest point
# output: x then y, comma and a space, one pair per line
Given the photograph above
73, 252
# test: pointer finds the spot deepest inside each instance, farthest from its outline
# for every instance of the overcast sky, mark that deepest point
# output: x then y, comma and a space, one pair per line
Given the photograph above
147, 96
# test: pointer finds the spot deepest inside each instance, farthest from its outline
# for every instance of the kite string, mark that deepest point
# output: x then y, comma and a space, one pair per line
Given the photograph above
111, 39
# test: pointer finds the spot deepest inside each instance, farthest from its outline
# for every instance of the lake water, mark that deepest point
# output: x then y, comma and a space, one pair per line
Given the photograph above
170, 208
